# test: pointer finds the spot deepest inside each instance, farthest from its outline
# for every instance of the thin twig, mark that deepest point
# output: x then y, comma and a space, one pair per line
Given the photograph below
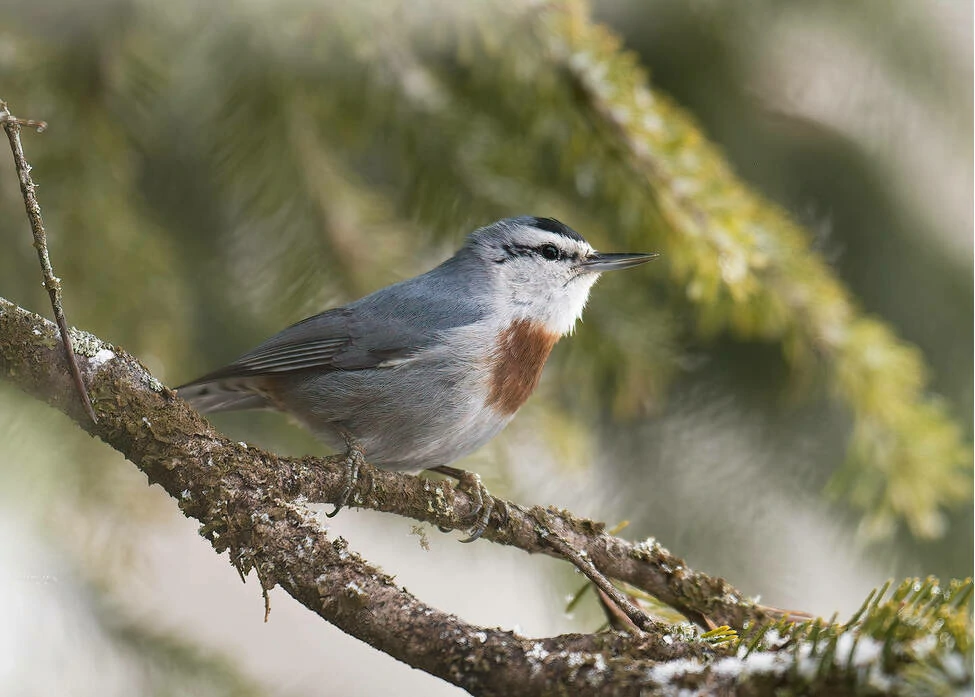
638, 617
52, 283
614, 615
7, 117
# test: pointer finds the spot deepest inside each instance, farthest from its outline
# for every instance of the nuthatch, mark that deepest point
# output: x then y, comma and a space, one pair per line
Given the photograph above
425, 371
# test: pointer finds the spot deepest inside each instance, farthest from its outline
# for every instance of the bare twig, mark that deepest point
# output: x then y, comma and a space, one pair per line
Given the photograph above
616, 618
638, 617
7, 117
52, 283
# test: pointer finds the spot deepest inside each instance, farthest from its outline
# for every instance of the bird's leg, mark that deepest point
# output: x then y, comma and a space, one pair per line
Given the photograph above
484, 503
354, 459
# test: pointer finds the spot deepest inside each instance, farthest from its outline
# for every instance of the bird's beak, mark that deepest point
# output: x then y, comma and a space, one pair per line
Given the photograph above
597, 263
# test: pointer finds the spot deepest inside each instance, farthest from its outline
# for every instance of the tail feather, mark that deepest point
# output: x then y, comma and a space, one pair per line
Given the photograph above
209, 397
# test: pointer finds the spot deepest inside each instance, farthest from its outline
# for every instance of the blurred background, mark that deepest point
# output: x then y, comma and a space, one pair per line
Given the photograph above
214, 172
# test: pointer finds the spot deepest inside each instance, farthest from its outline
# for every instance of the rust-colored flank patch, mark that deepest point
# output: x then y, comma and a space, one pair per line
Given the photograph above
517, 362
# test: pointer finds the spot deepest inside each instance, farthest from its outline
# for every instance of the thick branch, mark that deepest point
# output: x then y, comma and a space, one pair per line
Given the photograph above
250, 503
645, 565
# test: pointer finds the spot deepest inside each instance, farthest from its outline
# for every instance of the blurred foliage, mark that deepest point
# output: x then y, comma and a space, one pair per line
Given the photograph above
214, 172
170, 666
293, 161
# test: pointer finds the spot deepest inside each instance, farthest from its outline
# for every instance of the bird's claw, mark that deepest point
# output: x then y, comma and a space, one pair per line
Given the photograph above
354, 459
483, 505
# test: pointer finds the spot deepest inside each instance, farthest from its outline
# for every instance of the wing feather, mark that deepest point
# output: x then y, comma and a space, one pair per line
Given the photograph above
333, 340
382, 330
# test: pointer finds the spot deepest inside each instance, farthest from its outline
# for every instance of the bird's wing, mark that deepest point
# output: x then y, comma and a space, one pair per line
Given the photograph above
339, 339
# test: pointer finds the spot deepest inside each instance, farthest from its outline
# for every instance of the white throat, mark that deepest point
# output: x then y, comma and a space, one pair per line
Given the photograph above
557, 308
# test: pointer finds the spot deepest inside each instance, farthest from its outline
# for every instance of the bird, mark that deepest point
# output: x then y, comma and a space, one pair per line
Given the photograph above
425, 371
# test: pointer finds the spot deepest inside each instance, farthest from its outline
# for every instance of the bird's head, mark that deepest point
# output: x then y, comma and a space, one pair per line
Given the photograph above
542, 270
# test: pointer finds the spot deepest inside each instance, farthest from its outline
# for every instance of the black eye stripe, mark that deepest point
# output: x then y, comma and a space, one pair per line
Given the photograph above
512, 251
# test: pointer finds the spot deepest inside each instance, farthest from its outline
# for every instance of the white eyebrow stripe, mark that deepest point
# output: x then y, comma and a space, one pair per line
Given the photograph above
536, 238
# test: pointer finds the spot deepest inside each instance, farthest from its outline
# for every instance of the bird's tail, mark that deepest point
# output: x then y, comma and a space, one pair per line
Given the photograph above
222, 395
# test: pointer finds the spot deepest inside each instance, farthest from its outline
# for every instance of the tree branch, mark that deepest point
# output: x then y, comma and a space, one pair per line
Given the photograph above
250, 504
645, 565
12, 125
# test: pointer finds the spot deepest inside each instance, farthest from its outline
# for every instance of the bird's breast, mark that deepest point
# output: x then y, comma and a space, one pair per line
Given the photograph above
516, 364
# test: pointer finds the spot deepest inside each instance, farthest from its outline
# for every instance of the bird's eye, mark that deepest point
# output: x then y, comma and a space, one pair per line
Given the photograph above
549, 251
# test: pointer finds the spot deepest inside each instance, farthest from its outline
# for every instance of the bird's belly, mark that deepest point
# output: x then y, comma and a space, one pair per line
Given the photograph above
405, 420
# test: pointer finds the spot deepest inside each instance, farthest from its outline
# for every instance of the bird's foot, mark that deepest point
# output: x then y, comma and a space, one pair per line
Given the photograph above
483, 504
354, 459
